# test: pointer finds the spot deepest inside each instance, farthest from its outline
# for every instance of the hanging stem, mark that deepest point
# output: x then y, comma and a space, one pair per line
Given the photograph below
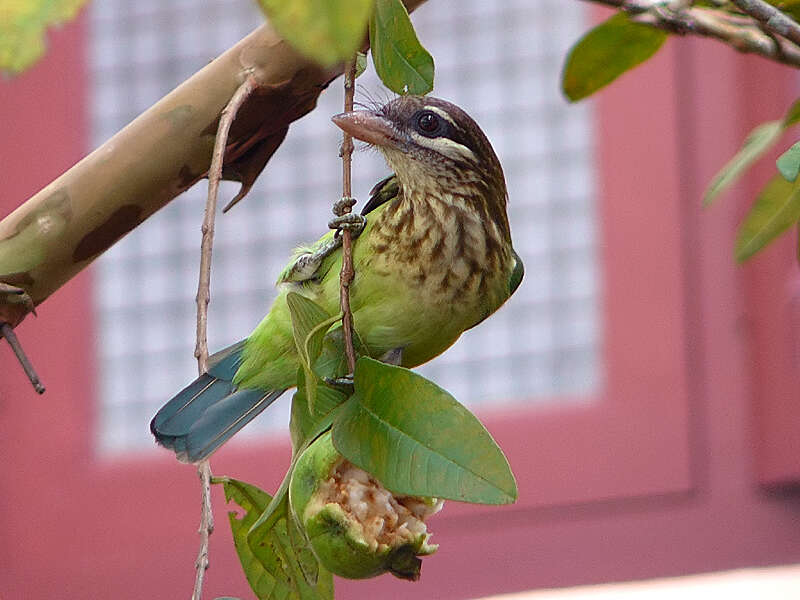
214, 176
347, 273
203, 297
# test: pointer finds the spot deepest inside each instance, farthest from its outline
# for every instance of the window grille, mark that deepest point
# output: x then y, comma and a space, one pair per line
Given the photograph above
500, 61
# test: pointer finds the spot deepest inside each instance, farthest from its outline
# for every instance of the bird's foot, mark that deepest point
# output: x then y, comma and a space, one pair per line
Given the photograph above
305, 266
343, 384
343, 205
346, 220
352, 222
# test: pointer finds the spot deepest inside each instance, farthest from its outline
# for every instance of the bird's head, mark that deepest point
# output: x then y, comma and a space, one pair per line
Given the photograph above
433, 147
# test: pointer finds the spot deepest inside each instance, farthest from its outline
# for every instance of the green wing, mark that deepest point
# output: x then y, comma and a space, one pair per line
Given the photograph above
516, 275
299, 271
383, 191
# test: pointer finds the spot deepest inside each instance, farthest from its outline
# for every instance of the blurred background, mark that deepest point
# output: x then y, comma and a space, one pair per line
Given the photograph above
643, 386
543, 344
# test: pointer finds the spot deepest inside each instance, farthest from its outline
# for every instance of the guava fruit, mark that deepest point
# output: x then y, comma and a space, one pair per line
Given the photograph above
356, 527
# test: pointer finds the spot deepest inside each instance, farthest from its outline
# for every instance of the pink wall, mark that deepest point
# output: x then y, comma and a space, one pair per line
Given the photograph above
658, 475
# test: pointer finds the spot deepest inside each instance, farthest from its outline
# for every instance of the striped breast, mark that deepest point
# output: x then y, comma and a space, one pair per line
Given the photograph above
443, 247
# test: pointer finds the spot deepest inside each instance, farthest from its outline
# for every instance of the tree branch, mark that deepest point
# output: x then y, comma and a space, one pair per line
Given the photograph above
7, 332
741, 33
152, 160
772, 18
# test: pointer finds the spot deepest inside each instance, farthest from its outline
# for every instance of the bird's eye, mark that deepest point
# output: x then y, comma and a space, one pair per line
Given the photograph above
428, 123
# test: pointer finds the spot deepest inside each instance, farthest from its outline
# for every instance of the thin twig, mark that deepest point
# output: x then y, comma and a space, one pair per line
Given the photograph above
347, 273
772, 18
214, 176
739, 32
203, 297
8, 332
206, 528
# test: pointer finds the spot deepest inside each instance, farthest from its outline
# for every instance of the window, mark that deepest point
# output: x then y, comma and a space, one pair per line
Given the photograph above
543, 345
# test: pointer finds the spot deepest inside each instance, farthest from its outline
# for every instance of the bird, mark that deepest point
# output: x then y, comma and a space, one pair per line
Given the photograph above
433, 257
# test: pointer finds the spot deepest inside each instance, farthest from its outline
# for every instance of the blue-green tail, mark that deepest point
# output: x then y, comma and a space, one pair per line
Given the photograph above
207, 412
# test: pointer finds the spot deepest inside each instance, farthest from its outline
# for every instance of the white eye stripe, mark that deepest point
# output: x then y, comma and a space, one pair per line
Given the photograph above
444, 146
443, 114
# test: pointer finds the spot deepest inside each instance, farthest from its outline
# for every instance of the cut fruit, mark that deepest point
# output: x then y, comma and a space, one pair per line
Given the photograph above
356, 527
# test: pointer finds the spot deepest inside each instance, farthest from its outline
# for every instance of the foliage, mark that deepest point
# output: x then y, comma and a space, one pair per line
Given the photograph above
273, 552
22, 29
331, 31
621, 43
777, 207
282, 565
775, 210
327, 31
403, 429
401, 62
606, 52
788, 163
409, 433
758, 141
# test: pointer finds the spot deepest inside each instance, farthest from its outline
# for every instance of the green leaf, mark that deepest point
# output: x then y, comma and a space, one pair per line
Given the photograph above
302, 422
308, 326
775, 210
310, 323
792, 116
761, 139
404, 66
332, 361
788, 163
327, 31
361, 64
758, 141
22, 29
282, 566
327, 399
277, 508
606, 52
264, 579
416, 439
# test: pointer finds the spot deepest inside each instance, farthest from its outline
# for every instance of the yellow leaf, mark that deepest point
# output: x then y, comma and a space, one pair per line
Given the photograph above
22, 25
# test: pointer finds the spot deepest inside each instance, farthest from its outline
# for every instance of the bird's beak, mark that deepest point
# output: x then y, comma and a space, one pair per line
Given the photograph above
369, 127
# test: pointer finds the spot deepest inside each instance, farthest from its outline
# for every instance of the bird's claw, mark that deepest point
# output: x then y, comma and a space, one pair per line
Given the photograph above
352, 222
305, 265
344, 384
343, 205
345, 220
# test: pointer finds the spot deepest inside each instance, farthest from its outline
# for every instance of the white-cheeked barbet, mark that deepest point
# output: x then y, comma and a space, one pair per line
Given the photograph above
433, 259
